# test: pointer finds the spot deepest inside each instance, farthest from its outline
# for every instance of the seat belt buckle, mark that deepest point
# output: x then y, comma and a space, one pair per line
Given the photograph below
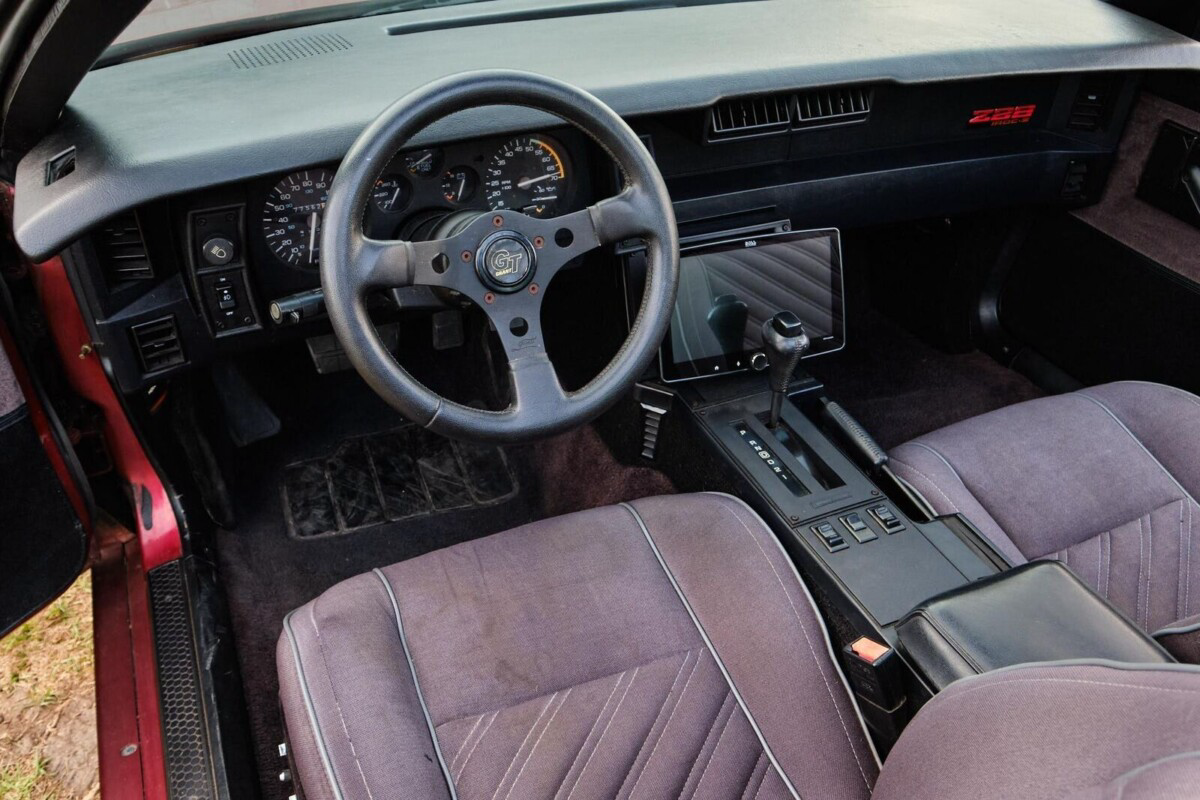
873, 672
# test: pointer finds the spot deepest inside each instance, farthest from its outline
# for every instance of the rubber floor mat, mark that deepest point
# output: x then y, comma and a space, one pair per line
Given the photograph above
391, 476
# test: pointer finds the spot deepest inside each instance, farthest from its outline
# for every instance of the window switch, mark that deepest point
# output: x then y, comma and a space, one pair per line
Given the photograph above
859, 529
886, 518
829, 536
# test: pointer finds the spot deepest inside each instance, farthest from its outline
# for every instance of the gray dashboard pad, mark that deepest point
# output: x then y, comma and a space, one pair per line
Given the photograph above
177, 122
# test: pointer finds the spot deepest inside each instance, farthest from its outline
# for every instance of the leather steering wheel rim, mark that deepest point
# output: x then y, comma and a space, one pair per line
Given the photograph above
352, 265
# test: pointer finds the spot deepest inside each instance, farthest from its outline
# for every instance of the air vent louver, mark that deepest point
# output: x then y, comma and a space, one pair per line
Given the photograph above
1089, 111
749, 116
122, 250
158, 344
281, 52
837, 106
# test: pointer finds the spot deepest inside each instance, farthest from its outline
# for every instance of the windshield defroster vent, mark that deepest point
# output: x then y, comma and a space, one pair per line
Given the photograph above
158, 344
264, 55
749, 116
122, 250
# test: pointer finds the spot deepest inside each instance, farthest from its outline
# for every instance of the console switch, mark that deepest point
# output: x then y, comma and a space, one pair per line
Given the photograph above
829, 536
886, 518
859, 529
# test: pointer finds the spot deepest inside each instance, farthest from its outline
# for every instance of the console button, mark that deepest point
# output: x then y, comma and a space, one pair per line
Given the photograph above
886, 518
858, 528
829, 535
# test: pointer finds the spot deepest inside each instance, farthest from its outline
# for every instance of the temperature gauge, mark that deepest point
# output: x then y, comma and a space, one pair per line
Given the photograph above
459, 184
391, 193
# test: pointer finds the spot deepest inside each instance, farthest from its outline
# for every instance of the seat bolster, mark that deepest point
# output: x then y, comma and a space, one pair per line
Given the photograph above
924, 469
351, 709
749, 602
1044, 731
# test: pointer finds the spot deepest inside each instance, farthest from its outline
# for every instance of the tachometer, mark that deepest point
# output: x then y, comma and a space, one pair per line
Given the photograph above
528, 174
292, 216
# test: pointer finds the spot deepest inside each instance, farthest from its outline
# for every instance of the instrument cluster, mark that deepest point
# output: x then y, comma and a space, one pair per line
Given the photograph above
530, 173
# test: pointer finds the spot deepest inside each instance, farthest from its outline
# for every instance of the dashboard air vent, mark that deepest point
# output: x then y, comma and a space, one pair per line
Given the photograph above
158, 344
749, 116
835, 106
122, 250
265, 55
1090, 107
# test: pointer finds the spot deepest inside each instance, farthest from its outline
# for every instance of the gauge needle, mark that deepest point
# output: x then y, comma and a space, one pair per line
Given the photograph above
462, 185
420, 161
312, 235
525, 183
395, 197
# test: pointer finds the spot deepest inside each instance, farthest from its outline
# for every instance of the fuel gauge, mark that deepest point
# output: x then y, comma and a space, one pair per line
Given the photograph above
459, 184
423, 163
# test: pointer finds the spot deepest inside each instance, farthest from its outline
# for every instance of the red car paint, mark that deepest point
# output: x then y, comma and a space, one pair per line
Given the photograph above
160, 542
128, 721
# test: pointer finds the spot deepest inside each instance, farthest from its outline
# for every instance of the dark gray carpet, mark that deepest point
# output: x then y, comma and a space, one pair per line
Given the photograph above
899, 387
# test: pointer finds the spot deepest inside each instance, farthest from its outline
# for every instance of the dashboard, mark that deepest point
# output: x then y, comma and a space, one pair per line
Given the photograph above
183, 221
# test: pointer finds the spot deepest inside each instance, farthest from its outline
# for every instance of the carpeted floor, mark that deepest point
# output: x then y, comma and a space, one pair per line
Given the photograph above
267, 570
899, 387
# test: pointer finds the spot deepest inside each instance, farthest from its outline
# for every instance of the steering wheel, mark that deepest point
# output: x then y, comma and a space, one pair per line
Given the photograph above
502, 260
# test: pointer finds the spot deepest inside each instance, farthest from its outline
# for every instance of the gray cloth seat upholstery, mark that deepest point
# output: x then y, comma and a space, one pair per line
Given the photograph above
1104, 480
664, 648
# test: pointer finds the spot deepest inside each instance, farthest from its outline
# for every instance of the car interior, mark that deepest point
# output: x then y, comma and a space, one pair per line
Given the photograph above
703, 398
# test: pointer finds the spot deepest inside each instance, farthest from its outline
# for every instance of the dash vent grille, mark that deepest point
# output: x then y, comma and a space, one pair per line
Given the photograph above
1089, 111
122, 250
158, 344
837, 106
281, 52
750, 116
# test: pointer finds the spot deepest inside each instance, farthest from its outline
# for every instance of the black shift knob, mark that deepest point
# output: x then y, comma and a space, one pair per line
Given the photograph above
786, 342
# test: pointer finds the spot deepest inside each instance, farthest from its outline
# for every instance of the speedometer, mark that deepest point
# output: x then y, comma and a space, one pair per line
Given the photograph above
527, 174
292, 216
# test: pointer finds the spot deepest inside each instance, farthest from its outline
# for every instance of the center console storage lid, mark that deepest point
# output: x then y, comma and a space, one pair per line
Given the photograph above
1035, 612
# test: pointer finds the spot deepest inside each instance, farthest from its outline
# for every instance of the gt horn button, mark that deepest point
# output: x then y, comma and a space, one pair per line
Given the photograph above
505, 261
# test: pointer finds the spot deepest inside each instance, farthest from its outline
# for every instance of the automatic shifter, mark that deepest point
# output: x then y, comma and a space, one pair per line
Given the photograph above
785, 341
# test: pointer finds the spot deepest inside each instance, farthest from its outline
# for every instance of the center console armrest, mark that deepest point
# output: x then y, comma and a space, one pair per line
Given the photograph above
1035, 612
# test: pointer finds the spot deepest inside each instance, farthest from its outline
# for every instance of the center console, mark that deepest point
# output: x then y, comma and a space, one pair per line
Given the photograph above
918, 600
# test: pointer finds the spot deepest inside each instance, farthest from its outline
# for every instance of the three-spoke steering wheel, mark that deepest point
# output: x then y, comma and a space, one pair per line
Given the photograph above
502, 260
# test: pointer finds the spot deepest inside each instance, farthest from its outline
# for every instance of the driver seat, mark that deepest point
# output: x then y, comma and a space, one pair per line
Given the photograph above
668, 648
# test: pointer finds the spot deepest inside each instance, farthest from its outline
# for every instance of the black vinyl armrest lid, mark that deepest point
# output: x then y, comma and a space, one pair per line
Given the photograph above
1035, 612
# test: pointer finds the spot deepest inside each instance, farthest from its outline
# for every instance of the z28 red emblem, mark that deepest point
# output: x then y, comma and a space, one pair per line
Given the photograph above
1004, 115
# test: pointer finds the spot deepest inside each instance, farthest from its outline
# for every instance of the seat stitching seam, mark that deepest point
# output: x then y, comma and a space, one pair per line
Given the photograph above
712, 726
1187, 593
1141, 564
310, 708
750, 777
333, 692
974, 495
1179, 584
946, 697
412, 669
591, 730
603, 733
533, 749
807, 638
462, 769
712, 755
463, 746
662, 734
1140, 444
708, 642
1099, 559
521, 747
1107, 563
1150, 561
930, 481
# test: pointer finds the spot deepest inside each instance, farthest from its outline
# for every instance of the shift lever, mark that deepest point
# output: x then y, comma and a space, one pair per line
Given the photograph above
785, 341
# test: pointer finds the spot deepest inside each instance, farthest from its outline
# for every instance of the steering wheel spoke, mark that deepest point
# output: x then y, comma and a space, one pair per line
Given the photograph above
628, 215
390, 264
